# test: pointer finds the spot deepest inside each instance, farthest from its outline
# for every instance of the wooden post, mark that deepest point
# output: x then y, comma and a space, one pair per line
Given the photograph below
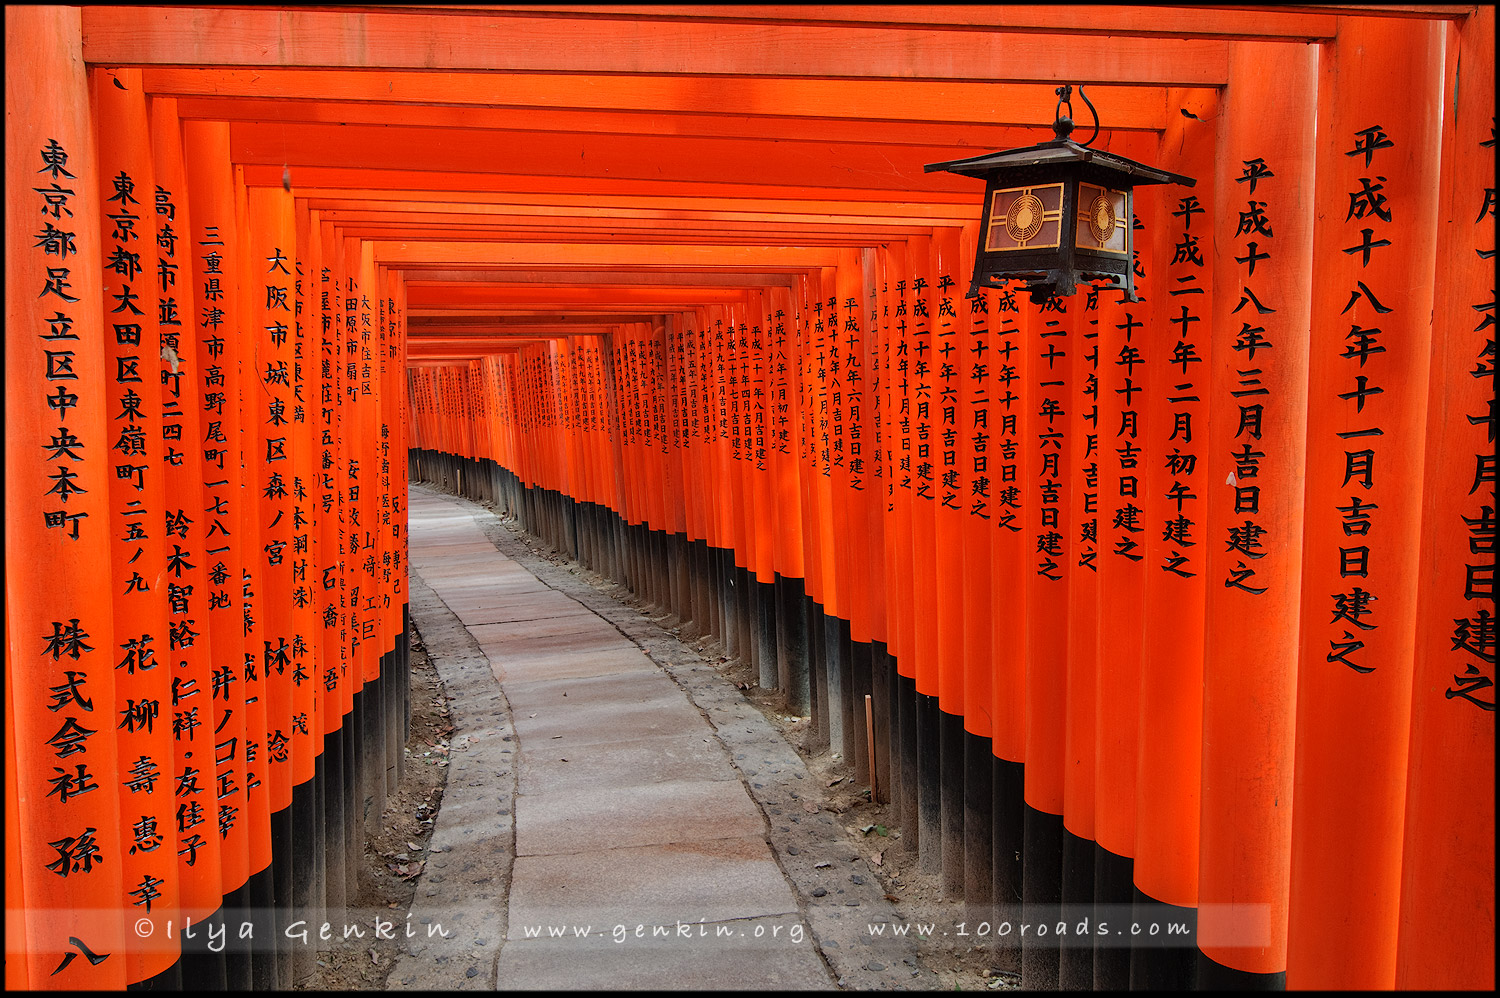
1446, 919
1251, 627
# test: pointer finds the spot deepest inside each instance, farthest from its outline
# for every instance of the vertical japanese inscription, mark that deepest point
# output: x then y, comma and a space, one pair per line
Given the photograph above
1253, 350
1473, 636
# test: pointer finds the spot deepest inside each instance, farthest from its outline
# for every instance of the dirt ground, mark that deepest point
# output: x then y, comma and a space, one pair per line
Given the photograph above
397, 849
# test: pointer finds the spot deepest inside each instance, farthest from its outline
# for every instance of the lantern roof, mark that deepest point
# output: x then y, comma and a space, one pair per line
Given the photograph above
1096, 165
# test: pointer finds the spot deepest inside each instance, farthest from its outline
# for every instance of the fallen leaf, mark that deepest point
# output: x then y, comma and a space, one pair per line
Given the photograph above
893, 899
809, 807
832, 782
819, 866
412, 846
876, 858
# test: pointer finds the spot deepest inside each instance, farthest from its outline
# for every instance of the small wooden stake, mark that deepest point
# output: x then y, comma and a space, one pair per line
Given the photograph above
870, 747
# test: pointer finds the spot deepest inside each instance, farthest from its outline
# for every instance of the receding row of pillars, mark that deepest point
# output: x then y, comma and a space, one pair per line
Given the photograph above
317, 847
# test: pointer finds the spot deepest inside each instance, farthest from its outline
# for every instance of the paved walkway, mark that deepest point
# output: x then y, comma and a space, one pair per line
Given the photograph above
605, 823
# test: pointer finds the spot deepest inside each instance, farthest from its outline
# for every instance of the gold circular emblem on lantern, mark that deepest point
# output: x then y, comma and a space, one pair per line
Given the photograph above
1102, 218
1024, 220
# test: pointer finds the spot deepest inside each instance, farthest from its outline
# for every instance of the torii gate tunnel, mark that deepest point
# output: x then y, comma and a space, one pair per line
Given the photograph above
1184, 602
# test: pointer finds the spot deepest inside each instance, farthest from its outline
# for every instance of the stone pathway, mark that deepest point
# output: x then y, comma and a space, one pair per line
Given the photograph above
614, 808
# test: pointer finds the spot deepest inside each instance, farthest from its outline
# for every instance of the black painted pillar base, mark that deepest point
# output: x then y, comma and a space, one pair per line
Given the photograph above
353, 827
882, 675
682, 587
906, 759
729, 604
263, 960
951, 791
1008, 813
202, 967
319, 833
237, 971
765, 633
857, 748
817, 667
281, 867
1113, 890
1171, 968
168, 980
792, 671
744, 611
336, 774
835, 670
979, 881
929, 786
699, 587
896, 789
1041, 894
1076, 962
302, 873
1214, 976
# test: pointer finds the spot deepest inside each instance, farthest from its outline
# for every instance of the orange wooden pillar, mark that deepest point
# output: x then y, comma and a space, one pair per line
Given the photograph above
259, 799
334, 576
826, 716
783, 431
974, 480
212, 265
1081, 518
1054, 339
1367, 406
884, 361
268, 302
1160, 463
153, 666
361, 481
1248, 685
187, 585
895, 283
702, 435
741, 482
1011, 547
867, 392
940, 461
852, 542
915, 308
666, 336
1121, 582
60, 638
322, 403
310, 695
1446, 923
762, 582
677, 402
866, 482
830, 580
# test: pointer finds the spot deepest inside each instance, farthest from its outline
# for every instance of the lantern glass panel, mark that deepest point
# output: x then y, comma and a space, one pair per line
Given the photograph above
1103, 220
1025, 218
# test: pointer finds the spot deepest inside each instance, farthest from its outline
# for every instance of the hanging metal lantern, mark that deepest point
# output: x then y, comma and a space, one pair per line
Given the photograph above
1057, 214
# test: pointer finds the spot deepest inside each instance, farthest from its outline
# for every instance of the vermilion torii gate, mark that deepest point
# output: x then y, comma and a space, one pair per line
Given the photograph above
1183, 604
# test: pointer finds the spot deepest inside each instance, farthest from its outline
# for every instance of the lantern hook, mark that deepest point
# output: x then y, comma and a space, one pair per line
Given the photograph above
1063, 125
1091, 111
